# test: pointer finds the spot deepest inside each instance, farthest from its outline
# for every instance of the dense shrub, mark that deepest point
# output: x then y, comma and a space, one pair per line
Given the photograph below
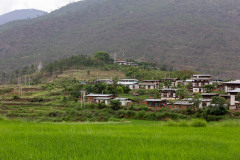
140, 115
115, 104
15, 97
102, 105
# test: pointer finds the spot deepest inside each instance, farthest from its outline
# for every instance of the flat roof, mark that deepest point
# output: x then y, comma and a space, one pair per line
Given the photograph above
232, 82
151, 80
202, 75
237, 90
168, 89
154, 100
183, 103
209, 94
128, 80
103, 98
127, 83
98, 95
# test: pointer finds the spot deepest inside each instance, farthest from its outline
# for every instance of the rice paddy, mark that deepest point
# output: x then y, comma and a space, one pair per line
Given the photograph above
117, 140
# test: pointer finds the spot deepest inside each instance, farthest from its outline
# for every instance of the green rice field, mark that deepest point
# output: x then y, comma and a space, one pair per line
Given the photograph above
128, 140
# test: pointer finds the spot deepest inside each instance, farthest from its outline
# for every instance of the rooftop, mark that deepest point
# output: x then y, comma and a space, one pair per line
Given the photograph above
103, 98
209, 94
154, 100
98, 95
183, 103
237, 90
232, 82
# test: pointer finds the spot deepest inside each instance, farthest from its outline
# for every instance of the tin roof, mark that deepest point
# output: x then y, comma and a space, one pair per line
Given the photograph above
154, 100
98, 95
237, 90
232, 82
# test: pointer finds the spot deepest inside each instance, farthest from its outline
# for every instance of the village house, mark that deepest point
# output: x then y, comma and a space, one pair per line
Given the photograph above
172, 80
155, 103
98, 98
121, 62
125, 101
149, 84
199, 81
107, 81
133, 84
234, 103
168, 93
204, 102
209, 95
180, 105
231, 85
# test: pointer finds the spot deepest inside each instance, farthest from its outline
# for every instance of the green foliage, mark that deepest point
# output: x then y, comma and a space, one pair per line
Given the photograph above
37, 99
15, 97
196, 100
141, 91
102, 56
181, 93
218, 100
238, 97
115, 104
167, 84
209, 88
119, 90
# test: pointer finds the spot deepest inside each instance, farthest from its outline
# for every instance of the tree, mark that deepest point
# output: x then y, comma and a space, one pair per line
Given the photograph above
167, 84
119, 90
218, 100
196, 100
238, 97
181, 93
115, 104
209, 88
102, 56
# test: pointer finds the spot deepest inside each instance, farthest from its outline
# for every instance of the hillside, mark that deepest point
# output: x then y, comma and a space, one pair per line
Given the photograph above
198, 35
20, 15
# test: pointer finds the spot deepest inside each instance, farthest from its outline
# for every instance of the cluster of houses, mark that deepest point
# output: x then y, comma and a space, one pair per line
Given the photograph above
169, 98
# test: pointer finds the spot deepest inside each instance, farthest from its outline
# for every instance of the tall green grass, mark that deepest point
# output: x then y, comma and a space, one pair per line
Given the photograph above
128, 140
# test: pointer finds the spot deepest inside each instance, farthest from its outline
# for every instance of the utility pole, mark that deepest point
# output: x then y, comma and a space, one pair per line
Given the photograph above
115, 57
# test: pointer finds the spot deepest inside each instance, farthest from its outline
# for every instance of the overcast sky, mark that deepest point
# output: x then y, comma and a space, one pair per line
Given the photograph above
45, 5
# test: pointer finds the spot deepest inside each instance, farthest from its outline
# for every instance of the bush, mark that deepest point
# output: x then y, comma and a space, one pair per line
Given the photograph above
37, 99
199, 123
140, 115
115, 104
102, 105
15, 97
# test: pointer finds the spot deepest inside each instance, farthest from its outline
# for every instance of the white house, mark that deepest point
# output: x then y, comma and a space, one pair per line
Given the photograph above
133, 84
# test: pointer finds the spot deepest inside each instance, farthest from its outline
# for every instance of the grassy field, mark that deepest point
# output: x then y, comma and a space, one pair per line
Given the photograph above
83, 74
120, 140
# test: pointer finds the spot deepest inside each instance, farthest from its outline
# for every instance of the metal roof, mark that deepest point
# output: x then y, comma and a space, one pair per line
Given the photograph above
232, 82
154, 100
183, 103
98, 95
103, 98
237, 90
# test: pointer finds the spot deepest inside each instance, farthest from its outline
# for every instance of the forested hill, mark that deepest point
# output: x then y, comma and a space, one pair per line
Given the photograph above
20, 15
199, 35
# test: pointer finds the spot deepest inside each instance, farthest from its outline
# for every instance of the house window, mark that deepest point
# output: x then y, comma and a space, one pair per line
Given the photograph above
156, 104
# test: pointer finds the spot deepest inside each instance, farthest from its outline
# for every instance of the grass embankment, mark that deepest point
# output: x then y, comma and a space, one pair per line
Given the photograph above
128, 140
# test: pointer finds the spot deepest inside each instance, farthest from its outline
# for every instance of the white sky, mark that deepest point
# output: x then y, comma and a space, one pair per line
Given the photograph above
44, 5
